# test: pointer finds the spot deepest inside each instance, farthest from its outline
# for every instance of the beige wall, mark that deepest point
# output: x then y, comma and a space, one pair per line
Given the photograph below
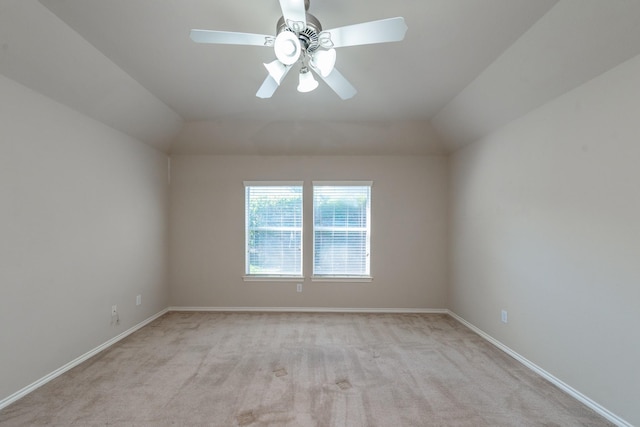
546, 224
543, 214
408, 243
83, 226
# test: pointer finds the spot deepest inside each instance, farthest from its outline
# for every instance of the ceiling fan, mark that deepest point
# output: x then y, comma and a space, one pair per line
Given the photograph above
300, 39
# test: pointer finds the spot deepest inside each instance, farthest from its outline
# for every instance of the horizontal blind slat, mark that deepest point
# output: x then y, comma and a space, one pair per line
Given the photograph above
341, 229
273, 215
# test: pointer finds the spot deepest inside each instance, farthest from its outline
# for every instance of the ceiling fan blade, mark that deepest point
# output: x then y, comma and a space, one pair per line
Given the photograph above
382, 31
270, 84
295, 14
336, 81
229, 37
268, 88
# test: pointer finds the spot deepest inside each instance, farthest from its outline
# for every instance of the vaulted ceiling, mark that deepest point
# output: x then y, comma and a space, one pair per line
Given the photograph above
465, 68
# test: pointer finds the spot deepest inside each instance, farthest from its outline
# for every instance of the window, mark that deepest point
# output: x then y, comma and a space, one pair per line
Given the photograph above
341, 229
273, 229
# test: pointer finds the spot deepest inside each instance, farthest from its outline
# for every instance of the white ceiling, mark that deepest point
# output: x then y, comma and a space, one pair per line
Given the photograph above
465, 68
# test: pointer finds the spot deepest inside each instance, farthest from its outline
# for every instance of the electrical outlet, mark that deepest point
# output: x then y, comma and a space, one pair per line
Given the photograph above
504, 316
139, 300
114, 310
299, 287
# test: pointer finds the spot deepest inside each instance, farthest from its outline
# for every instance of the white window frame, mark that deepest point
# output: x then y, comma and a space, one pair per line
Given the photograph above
272, 277
341, 277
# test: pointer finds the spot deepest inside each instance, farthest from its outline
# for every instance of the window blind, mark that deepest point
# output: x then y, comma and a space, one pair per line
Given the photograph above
341, 229
273, 229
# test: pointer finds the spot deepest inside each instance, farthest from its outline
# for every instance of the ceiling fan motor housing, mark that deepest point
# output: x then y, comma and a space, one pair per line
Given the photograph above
309, 36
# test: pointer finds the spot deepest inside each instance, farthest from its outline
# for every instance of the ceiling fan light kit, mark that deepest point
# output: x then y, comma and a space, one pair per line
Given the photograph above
277, 70
306, 82
300, 39
287, 47
323, 61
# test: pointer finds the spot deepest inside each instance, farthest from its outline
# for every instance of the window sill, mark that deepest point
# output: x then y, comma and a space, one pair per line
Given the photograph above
361, 279
273, 278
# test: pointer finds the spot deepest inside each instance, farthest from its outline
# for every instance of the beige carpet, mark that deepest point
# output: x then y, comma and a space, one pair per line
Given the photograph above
296, 369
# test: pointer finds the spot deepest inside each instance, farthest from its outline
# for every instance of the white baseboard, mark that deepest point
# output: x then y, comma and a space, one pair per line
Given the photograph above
42, 381
316, 310
546, 375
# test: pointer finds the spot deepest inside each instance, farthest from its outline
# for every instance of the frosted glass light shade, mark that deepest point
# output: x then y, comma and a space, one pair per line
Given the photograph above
306, 83
287, 47
324, 61
276, 69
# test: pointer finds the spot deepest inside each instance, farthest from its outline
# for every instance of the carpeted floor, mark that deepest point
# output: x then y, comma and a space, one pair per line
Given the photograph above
300, 369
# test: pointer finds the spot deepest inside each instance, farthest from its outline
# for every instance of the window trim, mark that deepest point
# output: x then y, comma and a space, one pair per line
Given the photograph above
354, 279
273, 277
341, 277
